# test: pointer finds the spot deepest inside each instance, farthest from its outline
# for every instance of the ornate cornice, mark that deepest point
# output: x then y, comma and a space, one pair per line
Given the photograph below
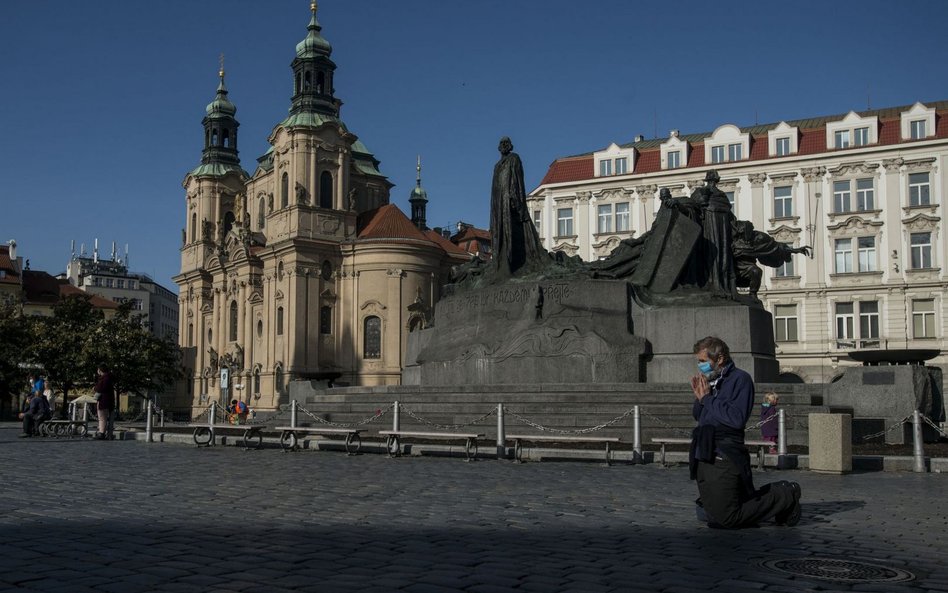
853, 225
892, 164
813, 173
921, 222
857, 168
757, 179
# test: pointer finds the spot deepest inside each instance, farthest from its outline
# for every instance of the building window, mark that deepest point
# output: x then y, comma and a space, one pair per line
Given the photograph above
605, 168
325, 271
285, 190
860, 136
233, 321
783, 202
537, 217
256, 381
844, 256
782, 146
190, 334
717, 154
866, 247
734, 152
622, 218
325, 320
785, 323
604, 218
259, 328
865, 195
921, 244
868, 320
261, 214
372, 338
784, 270
564, 222
279, 321
325, 190
730, 198
919, 189
841, 139
674, 159
841, 196
917, 129
194, 231
923, 318
844, 321
622, 166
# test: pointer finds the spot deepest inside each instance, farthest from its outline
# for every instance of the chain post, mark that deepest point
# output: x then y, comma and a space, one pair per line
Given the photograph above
85, 412
637, 436
148, 421
501, 433
395, 419
781, 433
212, 413
917, 452
161, 417
293, 418
72, 411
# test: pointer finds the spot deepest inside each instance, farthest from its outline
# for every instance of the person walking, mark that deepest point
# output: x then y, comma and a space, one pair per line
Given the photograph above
105, 403
718, 459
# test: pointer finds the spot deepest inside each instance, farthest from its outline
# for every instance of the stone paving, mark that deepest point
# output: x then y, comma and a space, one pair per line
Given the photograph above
81, 516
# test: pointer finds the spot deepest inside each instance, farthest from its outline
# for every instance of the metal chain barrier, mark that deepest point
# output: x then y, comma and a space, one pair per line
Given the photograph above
447, 426
679, 431
542, 428
771, 419
890, 429
379, 414
931, 423
197, 417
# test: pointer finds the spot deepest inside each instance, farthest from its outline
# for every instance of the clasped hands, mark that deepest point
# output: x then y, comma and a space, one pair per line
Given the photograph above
700, 387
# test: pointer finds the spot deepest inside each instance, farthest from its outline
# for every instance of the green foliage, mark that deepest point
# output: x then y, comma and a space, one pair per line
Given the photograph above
62, 343
14, 339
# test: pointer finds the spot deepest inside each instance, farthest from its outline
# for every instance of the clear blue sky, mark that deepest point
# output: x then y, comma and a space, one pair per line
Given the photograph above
101, 100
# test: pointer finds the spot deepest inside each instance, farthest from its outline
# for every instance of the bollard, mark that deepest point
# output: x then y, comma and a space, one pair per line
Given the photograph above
501, 433
637, 437
395, 419
85, 412
917, 452
72, 411
212, 414
148, 421
781, 433
161, 418
293, 414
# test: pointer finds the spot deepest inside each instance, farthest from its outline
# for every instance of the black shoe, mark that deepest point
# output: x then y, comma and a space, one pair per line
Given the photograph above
791, 516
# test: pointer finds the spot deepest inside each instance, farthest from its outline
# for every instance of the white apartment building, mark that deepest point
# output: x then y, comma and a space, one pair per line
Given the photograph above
863, 189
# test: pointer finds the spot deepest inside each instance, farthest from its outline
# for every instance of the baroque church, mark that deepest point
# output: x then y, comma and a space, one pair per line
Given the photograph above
301, 269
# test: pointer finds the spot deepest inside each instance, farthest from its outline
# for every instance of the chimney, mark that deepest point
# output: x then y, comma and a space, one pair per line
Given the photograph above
639, 138
673, 134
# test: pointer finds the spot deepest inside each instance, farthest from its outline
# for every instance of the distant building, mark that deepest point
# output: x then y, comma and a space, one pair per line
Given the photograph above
864, 189
300, 269
11, 279
42, 291
473, 240
111, 279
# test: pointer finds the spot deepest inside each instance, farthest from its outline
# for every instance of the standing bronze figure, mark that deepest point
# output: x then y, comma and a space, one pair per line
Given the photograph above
515, 245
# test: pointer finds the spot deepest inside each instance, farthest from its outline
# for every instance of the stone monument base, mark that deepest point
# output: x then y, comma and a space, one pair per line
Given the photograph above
673, 330
551, 331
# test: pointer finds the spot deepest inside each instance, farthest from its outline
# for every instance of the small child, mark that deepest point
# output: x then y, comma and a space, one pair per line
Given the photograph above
768, 411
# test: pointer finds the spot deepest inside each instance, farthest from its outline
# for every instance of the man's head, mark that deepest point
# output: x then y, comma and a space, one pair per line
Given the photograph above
505, 146
712, 354
233, 402
712, 177
102, 369
664, 194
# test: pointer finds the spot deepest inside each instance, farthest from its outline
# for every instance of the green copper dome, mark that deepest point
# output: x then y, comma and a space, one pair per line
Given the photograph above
220, 104
314, 45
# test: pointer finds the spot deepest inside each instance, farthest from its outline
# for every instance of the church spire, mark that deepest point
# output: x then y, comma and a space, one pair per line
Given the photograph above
419, 201
313, 91
220, 128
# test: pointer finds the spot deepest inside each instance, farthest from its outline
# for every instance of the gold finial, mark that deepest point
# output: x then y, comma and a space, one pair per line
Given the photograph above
221, 71
313, 6
418, 168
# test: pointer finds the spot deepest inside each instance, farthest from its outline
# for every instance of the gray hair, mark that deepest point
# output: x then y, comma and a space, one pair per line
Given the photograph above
715, 346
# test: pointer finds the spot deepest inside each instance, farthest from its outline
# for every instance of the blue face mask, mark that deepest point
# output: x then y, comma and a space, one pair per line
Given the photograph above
705, 368
765, 404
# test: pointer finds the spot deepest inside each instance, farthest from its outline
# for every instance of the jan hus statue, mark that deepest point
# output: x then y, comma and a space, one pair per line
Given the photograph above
515, 245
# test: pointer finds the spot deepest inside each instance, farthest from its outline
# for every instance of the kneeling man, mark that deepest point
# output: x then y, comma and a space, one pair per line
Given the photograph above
724, 399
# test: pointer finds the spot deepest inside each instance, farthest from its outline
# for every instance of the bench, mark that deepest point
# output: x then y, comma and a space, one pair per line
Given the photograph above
761, 445
204, 434
290, 436
393, 446
543, 438
63, 428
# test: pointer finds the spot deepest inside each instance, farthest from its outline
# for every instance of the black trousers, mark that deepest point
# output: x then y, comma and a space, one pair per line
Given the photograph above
30, 422
727, 502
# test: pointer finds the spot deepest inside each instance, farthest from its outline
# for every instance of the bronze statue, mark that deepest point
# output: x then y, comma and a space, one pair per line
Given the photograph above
515, 244
751, 246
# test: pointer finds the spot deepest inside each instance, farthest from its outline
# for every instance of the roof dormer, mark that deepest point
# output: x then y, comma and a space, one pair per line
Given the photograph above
918, 122
614, 160
783, 140
852, 131
726, 144
674, 151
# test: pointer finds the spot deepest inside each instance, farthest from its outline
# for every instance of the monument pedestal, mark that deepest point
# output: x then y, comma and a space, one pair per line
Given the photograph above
673, 330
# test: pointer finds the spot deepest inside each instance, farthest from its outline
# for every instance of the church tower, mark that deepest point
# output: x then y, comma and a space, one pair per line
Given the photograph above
419, 202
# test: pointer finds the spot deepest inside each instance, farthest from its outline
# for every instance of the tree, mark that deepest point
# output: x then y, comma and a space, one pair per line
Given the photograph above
139, 361
62, 343
14, 338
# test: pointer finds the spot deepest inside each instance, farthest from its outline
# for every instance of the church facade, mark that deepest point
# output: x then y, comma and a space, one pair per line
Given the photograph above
301, 269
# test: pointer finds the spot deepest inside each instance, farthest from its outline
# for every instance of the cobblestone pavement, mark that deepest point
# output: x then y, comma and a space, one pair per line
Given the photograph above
79, 516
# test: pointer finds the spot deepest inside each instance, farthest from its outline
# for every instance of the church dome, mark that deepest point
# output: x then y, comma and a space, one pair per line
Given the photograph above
314, 44
220, 104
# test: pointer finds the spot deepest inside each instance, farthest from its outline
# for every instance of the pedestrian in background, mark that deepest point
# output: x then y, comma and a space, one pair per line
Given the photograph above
105, 403
768, 419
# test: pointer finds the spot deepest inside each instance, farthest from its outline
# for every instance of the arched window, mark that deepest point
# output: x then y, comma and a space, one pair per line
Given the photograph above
229, 219
279, 321
307, 81
207, 138
233, 321
194, 229
214, 137
372, 338
210, 336
285, 190
280, 271
261, 213
256, 381
190, 334
325, 319
320, 82
296, 88
226, 138
326, 271
325, 190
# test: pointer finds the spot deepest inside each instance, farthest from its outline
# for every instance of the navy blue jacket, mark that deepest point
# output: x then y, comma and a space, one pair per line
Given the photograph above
730, 402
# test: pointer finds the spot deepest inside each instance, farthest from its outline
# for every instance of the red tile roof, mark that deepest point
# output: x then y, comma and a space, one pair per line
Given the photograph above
812, 141
389, 223
41, 288
449, 247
